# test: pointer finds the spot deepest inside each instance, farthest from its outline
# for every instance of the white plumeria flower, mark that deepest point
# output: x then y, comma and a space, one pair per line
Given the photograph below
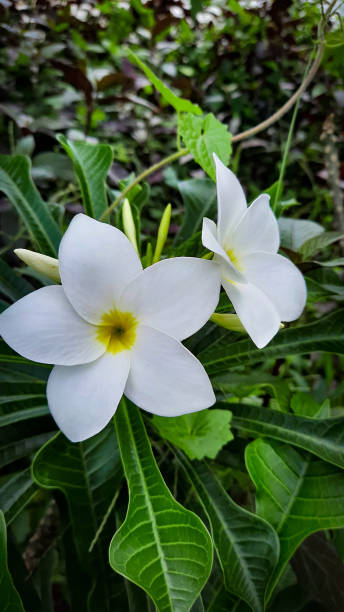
114, 328
264, 287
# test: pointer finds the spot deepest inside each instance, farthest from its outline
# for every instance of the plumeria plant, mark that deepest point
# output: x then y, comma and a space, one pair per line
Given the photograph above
150, 395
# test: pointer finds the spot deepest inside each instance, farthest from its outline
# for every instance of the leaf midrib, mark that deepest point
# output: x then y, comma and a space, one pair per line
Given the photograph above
220, 516
150, 509
30, 212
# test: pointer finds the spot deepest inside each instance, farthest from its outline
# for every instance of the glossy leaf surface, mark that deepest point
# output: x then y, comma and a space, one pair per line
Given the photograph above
161, 546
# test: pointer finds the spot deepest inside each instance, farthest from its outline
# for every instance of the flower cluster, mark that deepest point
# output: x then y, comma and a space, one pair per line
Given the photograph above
112, 328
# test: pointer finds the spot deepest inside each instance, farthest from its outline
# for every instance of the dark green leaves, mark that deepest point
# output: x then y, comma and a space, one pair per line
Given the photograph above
91, 165
296, 494
326, 334
199, 198
88, 473
246, 545
16, 183
162, 547
204, 136
322, 437
9, 598
199, 434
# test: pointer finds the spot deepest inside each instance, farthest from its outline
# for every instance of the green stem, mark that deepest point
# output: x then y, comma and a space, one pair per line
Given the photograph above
140, 177
285, 159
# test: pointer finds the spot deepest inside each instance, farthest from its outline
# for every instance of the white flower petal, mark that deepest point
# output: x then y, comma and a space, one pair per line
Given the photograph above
176, 296
44, 327
82, 399
231, 200
96, 262
280, 280
255, 311
257, 230
165, 378
210, 241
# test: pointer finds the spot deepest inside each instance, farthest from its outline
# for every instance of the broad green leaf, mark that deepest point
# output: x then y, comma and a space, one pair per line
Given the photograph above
12, 285
246, 545
322, 437
91, 165
303, 404
298, 495
9, 597
294, 232
17, 185
199, 434
181, 105
15, 492
88, 473
204, 136
199, 198
315, 244
326, 334
161, 546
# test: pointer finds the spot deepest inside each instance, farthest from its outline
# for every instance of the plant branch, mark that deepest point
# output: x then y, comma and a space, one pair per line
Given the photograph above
236, 138
288, 105
140, 177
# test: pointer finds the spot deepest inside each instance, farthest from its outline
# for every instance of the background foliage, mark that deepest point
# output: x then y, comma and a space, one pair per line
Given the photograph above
133, 79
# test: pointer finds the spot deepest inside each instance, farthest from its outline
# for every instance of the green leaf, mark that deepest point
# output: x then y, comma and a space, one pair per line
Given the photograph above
91, 165
181, 105
161, 547
303, 404
294, 232
311, 246
246, 545
23, 447
296, 494
255, 383
88, 473
15, 493
322, 437
199, 198
16, 183
12, 285
204, 136
9, 597
326, 334
199, 434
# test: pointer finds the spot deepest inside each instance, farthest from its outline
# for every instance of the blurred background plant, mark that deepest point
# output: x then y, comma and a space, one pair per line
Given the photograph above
66, 68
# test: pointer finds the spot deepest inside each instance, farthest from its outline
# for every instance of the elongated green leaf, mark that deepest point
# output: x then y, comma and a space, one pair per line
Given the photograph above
246, 545
322, 437
12, 285
16, 183
181, 105
298, 495
161, 547
88, 474
9, 598
199, 198
91, 165
204, 136
294, 232
22, 448
23, 415
319, 242
326, 334
15, 493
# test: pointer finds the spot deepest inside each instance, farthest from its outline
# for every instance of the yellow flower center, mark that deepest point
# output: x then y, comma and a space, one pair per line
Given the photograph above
232, 256
117, 331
